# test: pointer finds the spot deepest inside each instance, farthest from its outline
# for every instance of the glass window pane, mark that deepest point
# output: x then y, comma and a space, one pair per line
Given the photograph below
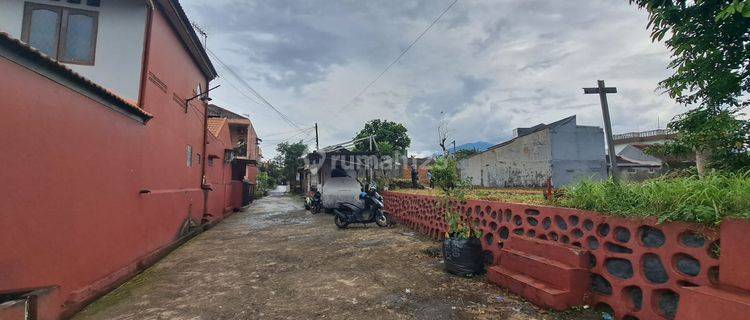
78, 38
43, 31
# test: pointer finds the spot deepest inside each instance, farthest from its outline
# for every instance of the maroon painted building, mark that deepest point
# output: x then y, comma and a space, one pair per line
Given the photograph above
100, 180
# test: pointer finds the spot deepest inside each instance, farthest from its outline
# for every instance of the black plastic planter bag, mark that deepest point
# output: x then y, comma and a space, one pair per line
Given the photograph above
463, 257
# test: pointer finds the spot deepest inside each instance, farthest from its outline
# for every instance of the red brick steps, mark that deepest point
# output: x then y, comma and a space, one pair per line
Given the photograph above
713, 302
730, 298
548, 274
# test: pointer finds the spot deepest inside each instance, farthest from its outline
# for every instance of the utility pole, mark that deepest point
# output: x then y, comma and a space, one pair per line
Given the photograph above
602, 91
317, 142
454, 147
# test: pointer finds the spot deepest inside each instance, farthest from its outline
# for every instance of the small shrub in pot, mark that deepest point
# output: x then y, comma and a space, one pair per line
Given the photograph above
462, 250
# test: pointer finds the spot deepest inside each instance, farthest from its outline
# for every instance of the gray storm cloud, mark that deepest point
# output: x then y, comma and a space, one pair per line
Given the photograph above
489, 66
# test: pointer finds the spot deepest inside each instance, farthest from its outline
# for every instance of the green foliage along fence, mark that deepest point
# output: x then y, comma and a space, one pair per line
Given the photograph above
706, 200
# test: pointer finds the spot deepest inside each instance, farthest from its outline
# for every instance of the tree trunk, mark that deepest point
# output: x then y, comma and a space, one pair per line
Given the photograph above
702, 158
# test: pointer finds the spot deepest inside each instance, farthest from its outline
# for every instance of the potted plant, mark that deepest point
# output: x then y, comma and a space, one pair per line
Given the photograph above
462, 249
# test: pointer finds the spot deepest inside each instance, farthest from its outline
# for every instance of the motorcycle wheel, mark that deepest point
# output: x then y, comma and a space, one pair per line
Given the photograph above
315, 209
340, 223
382, 220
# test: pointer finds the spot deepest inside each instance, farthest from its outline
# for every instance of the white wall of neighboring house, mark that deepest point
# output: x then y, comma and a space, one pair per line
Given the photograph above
119, 43
523, 162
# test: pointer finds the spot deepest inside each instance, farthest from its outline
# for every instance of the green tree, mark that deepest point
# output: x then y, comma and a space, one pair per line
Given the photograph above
290, 158
710, 53
718, 139
737, 7
709, 43
273, 169
391, 137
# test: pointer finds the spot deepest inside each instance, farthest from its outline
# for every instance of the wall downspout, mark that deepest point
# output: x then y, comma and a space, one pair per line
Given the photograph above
204, 181
146, 50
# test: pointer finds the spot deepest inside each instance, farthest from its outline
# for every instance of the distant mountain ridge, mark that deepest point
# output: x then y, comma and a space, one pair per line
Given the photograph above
479, 146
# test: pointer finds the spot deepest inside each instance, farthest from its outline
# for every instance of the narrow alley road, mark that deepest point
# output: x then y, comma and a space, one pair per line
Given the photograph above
278, 261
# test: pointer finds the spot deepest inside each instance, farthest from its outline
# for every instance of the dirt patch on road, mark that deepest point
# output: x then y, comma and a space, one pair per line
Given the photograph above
277, 261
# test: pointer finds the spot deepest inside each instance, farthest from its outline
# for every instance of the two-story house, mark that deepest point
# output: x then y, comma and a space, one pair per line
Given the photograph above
233, 151
105, 123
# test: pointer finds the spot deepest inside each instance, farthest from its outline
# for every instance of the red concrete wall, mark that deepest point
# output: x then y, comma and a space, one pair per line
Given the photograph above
65, 210
252, 173
253, 151
235, 200
172, 130
72, 216
626, 253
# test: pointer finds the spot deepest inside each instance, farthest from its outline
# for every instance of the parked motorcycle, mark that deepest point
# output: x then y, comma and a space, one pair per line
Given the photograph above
372, 211
314, 203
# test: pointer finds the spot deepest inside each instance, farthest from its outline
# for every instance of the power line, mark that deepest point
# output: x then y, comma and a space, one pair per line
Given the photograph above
302, 134
231, 84
285, 132
255, 93
400, 55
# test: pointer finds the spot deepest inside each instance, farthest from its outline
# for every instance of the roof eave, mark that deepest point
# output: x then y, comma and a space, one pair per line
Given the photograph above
24, 55
181, 23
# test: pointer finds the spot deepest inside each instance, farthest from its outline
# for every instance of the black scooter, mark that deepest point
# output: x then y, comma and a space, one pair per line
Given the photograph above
348, 212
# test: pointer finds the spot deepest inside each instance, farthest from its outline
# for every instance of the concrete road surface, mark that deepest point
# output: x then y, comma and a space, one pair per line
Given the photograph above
277, 261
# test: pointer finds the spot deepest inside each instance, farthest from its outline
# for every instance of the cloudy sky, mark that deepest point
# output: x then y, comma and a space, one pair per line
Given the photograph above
486, 67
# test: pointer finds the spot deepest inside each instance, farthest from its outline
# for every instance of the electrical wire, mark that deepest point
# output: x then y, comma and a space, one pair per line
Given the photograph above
361, 92
252, 90
303, 134
285, 132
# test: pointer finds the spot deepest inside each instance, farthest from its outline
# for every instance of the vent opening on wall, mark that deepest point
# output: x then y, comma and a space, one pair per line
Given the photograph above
90, 3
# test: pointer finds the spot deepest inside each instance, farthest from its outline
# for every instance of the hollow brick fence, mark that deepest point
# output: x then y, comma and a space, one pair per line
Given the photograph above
637, 266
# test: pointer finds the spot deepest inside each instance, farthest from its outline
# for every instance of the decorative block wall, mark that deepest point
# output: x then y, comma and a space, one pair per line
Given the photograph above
637, 266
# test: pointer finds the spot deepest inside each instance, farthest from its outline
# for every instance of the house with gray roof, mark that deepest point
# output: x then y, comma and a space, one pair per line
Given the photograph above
562, 151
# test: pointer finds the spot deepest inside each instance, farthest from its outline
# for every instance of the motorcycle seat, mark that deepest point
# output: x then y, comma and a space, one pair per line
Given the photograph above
351, 205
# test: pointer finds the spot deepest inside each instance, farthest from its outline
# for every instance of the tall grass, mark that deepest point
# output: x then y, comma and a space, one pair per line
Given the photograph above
705, 200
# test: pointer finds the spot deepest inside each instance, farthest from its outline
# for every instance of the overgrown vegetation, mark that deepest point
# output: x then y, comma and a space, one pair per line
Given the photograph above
527, 196
706, 200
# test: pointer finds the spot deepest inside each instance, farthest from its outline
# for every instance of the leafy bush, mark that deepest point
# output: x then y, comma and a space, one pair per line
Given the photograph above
263, 183
395, 184
445, 176
705, 200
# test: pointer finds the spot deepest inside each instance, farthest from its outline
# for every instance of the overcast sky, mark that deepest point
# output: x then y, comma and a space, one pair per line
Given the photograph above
486, 67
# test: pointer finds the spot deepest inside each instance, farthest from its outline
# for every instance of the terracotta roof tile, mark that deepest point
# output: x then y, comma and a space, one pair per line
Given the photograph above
215, 125
22, 47
215, 111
